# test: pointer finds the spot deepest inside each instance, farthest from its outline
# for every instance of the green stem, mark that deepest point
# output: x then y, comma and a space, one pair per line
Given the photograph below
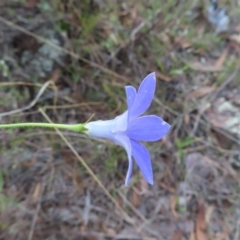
71, 127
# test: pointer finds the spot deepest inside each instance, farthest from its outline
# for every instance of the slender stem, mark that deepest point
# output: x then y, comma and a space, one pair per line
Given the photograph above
71, 127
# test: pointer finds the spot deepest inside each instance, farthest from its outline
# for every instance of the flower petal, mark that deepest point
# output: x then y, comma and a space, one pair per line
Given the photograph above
142, 157
147, 128
124, 141
120, 123
131, 94
144, 96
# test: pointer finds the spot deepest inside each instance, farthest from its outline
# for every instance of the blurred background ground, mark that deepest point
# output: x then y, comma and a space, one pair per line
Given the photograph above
91, 49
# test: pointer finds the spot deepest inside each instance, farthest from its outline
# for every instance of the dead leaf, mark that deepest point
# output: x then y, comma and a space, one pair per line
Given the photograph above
192, 236
200, 222
31, 3
208, 214
200, 92
199, 171
223, 235
68, 157
204, 67
222, 58
135, 199
144, 186
29, 163
37, 191
127, 233
120, 201
182, 42
78, 181
177, 235
55, 75
223, 114
166, 39
164, 77
108, 230
236, 35
173, 203
164, 186
211, 67
186, 119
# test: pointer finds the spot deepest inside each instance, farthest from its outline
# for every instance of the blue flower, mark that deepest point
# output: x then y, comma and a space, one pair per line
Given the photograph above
128, 129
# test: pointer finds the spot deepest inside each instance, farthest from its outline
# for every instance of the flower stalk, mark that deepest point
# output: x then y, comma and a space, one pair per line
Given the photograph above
72, 127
